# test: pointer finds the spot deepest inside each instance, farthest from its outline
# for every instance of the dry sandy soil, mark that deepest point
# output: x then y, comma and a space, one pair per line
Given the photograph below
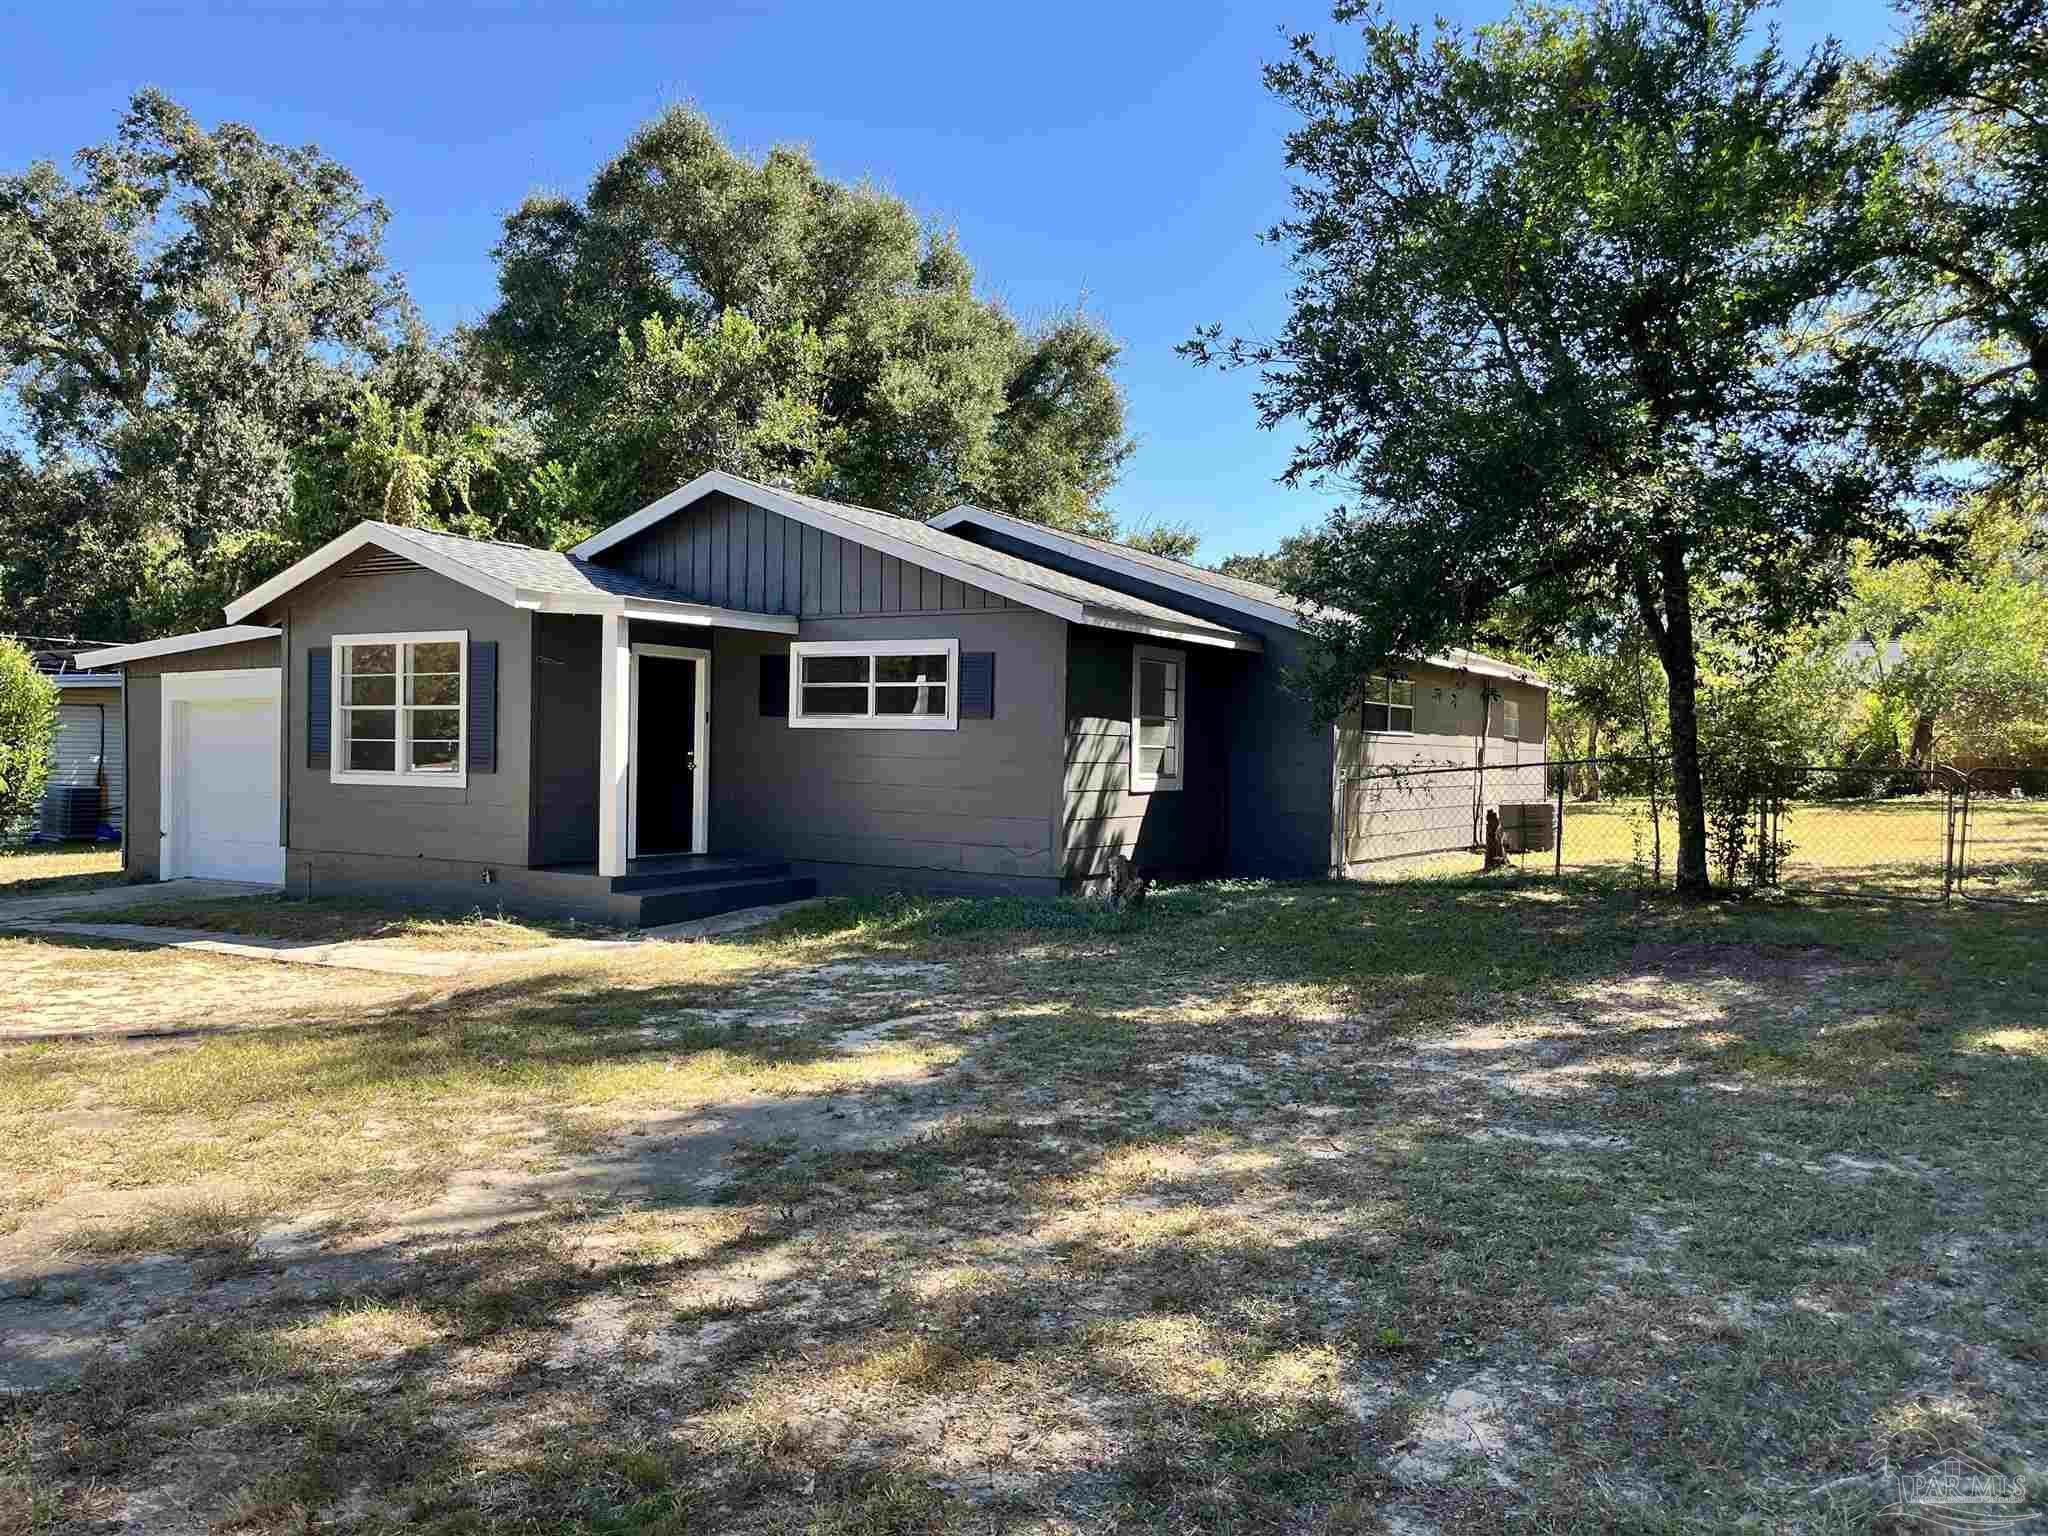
1427, 1207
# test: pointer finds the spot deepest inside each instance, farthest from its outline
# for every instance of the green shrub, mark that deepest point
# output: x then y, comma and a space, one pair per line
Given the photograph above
28, 723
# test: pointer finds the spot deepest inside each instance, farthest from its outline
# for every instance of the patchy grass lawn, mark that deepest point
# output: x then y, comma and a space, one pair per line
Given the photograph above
333, 920
1428, 1206
52, 869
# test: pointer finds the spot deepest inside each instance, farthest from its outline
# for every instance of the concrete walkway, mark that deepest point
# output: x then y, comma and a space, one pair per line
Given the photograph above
357, 955
26, 909
54, 916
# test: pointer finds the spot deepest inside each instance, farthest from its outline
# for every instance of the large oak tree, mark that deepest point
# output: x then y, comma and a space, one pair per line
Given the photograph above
1550, 280
699, 308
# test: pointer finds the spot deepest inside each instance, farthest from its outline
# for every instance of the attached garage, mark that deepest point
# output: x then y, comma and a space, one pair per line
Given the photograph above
219, 799
205, 755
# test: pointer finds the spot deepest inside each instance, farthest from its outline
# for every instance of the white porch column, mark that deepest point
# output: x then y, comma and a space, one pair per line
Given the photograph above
614, 745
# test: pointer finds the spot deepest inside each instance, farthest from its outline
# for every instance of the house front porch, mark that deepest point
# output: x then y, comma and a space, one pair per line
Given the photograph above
670, 888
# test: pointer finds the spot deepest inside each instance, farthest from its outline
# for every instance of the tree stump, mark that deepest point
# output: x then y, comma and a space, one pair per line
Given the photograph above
1496, 845
1126, 886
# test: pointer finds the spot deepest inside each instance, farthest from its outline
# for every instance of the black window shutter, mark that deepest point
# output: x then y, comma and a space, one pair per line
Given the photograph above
775, 685
978, 685
483, 706
319, 707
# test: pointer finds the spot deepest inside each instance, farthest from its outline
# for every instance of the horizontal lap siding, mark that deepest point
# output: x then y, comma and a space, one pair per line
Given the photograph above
1178, 832
1276, 812
972, 801
485, 823
142, 831
1438, 812
726, 551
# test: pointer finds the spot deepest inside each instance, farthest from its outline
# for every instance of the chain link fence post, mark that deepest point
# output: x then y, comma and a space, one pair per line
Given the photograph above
1557, 832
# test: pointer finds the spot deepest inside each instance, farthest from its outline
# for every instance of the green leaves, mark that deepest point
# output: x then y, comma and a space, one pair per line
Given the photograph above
28, 717
701, 309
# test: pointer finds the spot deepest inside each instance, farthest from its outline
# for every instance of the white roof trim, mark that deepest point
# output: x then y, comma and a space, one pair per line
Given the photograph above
174, 645
336, 550
1052, 539
1190, 586
657, 610
1054, 603
1110, 618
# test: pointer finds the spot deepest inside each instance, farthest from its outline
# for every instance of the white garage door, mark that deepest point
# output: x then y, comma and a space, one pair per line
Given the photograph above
221, 777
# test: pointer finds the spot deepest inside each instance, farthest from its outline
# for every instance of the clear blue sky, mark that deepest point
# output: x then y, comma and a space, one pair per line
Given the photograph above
1121, 152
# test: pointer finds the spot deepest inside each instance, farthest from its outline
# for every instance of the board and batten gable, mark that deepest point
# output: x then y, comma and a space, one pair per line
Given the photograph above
1278, 811
730, 552
484, 823
143, 696
971, 809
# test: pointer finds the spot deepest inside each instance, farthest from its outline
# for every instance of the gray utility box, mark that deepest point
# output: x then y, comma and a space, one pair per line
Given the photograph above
1529, 826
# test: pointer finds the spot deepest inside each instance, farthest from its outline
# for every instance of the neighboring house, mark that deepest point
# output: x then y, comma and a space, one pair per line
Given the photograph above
88, 759
736, 695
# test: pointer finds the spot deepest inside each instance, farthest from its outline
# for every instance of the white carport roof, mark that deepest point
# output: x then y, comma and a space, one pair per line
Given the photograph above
173, 645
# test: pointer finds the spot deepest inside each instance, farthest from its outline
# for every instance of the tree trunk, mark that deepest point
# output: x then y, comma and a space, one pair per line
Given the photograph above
1921, 754
1592, 790
1672, 632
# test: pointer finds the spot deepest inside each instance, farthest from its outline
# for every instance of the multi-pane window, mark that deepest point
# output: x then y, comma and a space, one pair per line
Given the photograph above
398, 715
1389, 704
1158, 704
1511, 718
878, 685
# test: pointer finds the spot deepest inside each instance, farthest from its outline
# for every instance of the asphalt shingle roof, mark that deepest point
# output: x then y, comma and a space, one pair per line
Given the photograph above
1238, 586
551, 571
537, 570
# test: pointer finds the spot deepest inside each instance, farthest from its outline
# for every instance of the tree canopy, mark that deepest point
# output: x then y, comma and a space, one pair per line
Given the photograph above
699, 309
213, 369
1549, 280
172, 319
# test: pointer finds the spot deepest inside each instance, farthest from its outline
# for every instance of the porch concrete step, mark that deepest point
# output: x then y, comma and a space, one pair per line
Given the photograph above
707, 898
694, 869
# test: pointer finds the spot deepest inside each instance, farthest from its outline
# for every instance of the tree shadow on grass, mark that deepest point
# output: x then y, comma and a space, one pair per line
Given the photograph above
1056, 1304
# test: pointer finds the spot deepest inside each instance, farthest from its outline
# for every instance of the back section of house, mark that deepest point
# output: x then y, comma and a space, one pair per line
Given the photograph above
1421, 763
1257, 795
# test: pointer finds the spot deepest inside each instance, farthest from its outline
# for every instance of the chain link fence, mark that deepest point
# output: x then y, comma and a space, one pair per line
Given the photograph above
1936, 834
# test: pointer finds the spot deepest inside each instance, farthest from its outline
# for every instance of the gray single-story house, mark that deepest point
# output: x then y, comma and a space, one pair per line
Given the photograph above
741, 694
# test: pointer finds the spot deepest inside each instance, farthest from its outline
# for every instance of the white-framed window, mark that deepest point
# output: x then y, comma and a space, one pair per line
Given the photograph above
1389, 706
1511, 718
399, 715
1159, 696
875, 685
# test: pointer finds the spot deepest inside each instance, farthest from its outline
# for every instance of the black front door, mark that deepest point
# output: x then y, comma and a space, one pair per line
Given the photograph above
665, 756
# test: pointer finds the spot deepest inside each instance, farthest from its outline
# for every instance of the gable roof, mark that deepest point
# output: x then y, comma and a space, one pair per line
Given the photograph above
1254, 599
174, 645
544, 580
1035, 586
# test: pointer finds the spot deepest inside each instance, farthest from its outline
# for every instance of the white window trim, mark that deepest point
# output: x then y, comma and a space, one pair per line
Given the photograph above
1145, 784
1388, 705
949, 721
1511, 719
337, 741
